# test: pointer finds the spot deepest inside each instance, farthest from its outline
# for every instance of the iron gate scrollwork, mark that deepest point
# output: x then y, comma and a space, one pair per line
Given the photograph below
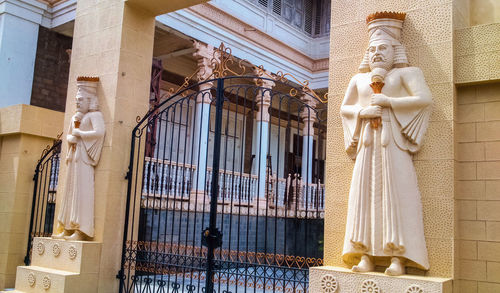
44, 195
201, 218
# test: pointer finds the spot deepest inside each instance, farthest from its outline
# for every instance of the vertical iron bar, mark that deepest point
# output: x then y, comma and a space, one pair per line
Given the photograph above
215, 183
121, 273
30, 237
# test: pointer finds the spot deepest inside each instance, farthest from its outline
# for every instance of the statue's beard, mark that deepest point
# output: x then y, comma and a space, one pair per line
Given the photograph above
380, 62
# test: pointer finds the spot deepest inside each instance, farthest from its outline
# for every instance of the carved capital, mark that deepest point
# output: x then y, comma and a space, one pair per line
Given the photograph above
308, 113
263, 98
204, 55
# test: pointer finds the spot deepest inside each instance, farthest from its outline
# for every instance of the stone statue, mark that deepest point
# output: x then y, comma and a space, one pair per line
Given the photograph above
385, 114
85, 140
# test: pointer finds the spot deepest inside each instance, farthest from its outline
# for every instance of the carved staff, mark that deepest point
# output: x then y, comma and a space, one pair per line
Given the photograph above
378, 75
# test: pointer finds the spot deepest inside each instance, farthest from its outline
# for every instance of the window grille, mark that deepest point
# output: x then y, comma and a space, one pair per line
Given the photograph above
310, 16
308, 11
317, 24
277, 7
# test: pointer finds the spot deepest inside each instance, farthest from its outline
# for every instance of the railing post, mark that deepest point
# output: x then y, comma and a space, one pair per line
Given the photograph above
214, 237
262, 117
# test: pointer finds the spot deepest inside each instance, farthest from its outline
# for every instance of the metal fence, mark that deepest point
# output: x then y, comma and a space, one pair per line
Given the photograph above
195, 222
44, 195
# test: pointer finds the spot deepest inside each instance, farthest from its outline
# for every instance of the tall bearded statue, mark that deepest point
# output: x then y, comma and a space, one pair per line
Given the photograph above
385, 115
85, 139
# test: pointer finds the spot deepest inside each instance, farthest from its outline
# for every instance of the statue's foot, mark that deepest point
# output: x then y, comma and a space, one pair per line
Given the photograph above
62, 235
396, 268
76, 236
365, 265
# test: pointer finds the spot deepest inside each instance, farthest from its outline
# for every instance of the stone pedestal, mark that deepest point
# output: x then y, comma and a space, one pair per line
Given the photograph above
341, 280
60, 266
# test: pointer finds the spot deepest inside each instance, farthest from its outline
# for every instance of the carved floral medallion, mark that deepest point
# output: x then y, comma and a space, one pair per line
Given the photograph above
72, 252
328, 284
369, 286
31, 279
46, 283
56, 249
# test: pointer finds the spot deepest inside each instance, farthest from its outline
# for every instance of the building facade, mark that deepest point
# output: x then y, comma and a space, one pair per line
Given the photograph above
44, 45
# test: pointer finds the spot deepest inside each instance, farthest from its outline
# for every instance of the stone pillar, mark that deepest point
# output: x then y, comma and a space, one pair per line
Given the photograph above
123, 64
261, 132
25, 131
428, 37
308, 116
204, 55
19, 22
113, 39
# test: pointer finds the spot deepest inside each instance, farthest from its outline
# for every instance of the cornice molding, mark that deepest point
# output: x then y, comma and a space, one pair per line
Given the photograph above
51, 2
257, 37
30, 10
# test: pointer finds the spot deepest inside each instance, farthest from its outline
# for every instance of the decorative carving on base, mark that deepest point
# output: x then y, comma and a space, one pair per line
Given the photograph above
46, 283
369, 286
56, 249
414, 289
31, 279
40, 248
72, 252
328, 284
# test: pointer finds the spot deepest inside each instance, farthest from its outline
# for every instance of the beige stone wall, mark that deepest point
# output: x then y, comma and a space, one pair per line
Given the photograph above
24, 132
428, 36
478, 187
484, 11
477, 53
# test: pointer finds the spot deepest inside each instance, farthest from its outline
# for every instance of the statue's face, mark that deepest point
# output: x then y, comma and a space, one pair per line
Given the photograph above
381, 54
82, 104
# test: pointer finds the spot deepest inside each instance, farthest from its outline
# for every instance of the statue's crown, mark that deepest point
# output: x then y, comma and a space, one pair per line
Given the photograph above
88, 78
386, 14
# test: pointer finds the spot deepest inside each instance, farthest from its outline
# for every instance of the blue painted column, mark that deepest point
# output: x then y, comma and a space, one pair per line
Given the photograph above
201, 127
262, 142
308, 115
19, 22
261, 132
307, 153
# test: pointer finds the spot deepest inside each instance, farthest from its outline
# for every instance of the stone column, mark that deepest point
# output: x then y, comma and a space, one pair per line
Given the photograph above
261, 132
113, 39
308, 116
204, 55
25, 131
19, 22
428, 36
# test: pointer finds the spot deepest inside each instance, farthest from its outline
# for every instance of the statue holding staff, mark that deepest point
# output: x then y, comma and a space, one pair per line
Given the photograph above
385, 114
85, 140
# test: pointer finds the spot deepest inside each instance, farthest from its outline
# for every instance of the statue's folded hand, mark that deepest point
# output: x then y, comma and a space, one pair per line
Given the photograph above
76, 132
380, 100
71, 139
371, 112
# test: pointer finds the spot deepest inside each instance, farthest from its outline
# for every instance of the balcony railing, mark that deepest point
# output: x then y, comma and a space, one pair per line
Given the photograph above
163, 179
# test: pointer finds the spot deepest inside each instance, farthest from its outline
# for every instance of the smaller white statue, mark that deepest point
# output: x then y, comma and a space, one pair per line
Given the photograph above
85, 140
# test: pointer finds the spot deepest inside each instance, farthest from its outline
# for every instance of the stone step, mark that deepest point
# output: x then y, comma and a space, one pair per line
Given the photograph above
39, 279
72, 256
32, 279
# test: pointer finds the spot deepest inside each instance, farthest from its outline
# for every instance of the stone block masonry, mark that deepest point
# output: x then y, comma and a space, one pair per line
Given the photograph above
50, 80
478, 193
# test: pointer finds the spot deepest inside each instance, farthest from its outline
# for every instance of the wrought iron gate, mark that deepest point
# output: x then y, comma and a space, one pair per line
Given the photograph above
44, 195
195, 221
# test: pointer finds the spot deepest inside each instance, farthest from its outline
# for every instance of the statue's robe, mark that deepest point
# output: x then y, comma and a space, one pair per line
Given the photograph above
77, 207
384, 216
